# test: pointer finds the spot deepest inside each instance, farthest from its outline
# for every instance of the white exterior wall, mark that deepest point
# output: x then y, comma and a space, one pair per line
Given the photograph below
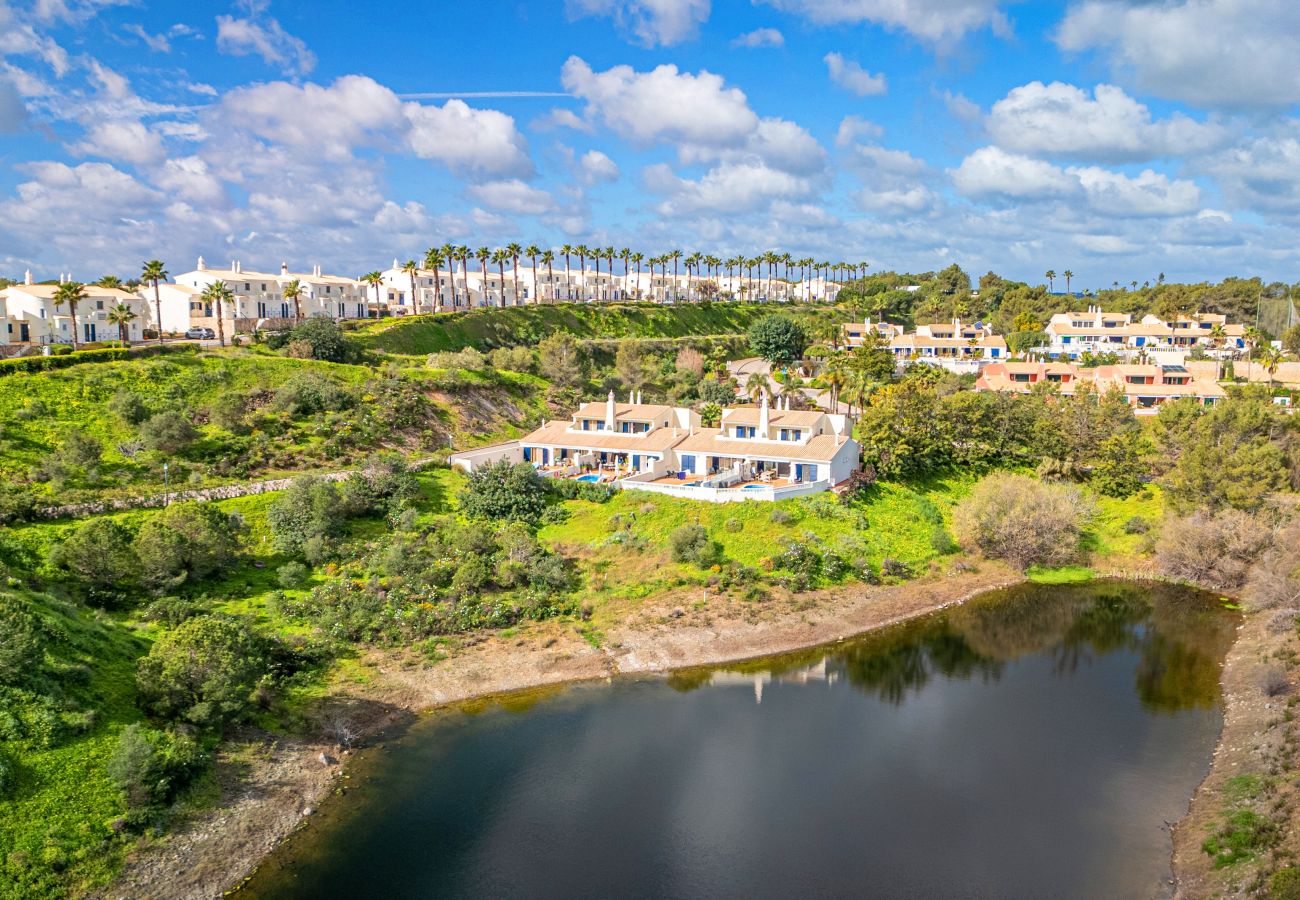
472, 460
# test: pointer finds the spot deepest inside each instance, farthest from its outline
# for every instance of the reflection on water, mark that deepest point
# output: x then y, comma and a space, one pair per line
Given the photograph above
1031, 743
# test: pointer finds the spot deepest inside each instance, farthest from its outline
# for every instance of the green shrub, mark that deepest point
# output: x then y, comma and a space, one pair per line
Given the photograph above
292, 575
149, 766
504, 492
324, 338
691, 544
1244, 834
98, 553
1023, 520
22, 651
129, 407
169, 431
569, 489
1136, 525
308, 393
1284, 884
203, 672
184, 542
307, 518
62, 357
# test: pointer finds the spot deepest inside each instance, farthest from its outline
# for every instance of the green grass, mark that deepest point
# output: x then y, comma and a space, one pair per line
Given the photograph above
488, 328
1062, 575
1107, 535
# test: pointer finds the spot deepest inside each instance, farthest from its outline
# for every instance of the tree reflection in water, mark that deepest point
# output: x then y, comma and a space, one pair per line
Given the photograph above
1180, 635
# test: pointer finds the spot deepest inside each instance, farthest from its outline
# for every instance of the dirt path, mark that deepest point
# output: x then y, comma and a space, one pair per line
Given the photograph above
1258, 739
268, 784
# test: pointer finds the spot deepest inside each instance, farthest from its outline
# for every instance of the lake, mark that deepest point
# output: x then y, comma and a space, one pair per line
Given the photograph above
1033, 742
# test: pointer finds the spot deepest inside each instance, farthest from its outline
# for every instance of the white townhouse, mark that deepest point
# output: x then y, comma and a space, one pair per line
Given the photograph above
755, 453
1071, 334
31, 316
957, 346
259, 300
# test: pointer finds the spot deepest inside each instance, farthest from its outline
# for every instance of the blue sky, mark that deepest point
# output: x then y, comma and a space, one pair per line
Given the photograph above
1117, 139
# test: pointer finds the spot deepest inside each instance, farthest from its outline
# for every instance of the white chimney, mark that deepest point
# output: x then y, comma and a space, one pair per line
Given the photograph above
609, 412
284, 268
202, 266
763, 420
395, 265
315, 270
27, 277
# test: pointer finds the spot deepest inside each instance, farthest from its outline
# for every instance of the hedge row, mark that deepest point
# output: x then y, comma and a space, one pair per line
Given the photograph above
106, 354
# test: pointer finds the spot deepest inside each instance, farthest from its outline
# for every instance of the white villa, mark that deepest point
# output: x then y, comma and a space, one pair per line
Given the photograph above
31, 317
259, 298
1071, 334
956, 345
756, 453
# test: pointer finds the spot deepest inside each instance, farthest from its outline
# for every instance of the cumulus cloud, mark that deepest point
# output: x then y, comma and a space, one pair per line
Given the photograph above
991, 172
852, 77
19, 38
13, 113
512, 196
935, 21
759, 37
124, 141
1110, 126
156, 42
651, 23
853, 127
1215, 53
896, 201
468, 140
729, 187
189, 178
257, 35
597, 167
663, 104
1261, 174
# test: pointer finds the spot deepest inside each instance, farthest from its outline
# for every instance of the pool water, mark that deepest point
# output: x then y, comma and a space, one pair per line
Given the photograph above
590, 479
754, 487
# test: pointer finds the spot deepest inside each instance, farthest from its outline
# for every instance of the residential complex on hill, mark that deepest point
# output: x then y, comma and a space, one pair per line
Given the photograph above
756, 453
1072, 334
955, 345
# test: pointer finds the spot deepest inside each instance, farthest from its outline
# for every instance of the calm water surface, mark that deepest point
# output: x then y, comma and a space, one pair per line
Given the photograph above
1032, 743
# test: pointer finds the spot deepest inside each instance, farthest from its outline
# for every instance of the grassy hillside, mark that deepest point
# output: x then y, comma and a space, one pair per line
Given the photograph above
255, 415
488, 328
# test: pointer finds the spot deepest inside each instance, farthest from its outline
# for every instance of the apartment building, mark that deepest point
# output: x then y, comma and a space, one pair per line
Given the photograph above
32, 317
956, 345
1145, 386
1072, 334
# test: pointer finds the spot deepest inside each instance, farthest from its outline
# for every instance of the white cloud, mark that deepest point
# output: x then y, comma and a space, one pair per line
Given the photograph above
990, 172
1217, 53
123, 141
1063, 120
1146, 194
189, 178
1262, 174
18, 38
897, 201
852, 77
257, 35
650, 23
759, 37
468, 140
935, 21
156, 42
729, 187
13, 113
513, 196
597, 167
1105, 244
891, 162
853, 127
562, 118
662, 104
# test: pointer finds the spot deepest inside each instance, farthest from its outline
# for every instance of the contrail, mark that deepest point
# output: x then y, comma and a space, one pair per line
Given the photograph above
452, 95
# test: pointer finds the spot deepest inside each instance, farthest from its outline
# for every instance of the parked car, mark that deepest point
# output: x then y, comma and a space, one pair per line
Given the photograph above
201, 334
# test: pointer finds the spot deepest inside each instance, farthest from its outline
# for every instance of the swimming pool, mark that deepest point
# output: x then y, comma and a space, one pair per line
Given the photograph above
590, 479
754, 487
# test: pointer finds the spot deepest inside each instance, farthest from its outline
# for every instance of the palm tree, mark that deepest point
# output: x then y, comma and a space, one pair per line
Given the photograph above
217, 295
1050, 275
499, 257
412, 268
374, 279
293, 293
515, 251
433, 259
834, 376
483, 254
109, 281
71, 293
626, 255
674, 255
582, 252
1067, 275
533, 252
121, 316
1271, 358
548, 258
449, 256
638, 258
609, 255
755, 384
566, 250
153, 272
